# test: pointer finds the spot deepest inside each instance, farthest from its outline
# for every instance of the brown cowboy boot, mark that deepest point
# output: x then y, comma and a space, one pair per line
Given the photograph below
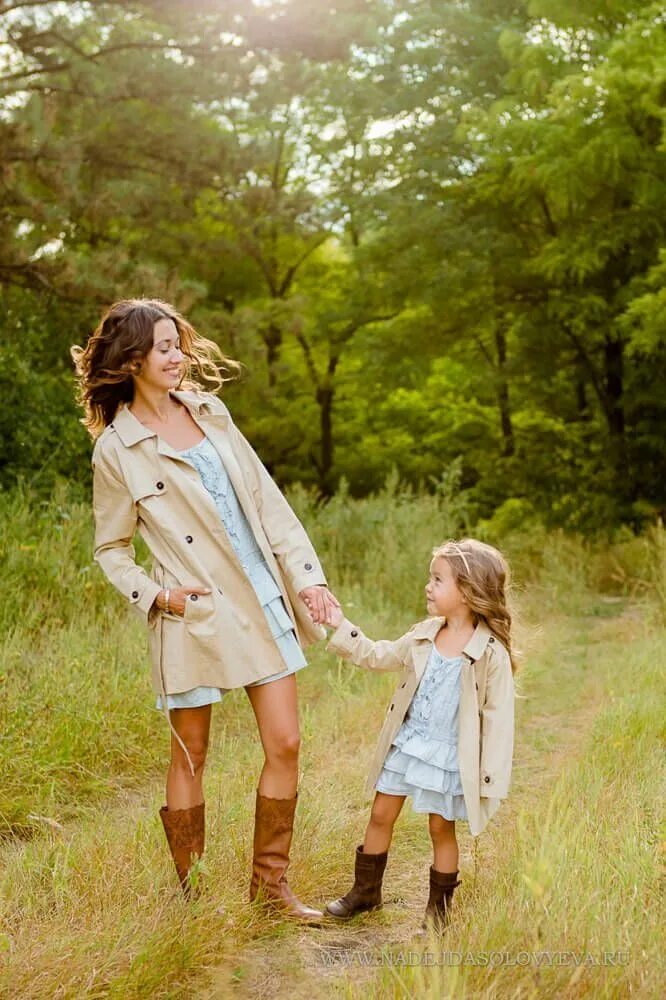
438, 909
366, 893
273, 827
185, 831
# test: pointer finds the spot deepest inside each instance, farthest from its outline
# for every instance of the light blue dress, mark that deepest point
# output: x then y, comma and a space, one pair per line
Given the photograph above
206, 460
423, 759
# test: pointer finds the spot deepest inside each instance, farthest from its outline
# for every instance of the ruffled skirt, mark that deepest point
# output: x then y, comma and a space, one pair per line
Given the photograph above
427, 770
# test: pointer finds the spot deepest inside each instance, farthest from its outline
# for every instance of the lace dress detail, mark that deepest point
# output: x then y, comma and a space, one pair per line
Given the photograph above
206, 460
423, 759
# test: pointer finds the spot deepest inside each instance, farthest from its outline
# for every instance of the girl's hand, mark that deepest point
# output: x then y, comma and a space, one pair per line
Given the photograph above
177, 598
319, 602
335, 617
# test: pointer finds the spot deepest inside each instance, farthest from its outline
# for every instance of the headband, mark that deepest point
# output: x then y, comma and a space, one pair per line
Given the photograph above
459, 552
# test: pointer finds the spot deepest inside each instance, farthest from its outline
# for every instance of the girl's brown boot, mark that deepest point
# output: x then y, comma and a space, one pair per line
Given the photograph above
366, 893
442, 886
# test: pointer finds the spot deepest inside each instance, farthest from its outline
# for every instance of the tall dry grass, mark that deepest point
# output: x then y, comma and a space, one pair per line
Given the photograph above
88, 905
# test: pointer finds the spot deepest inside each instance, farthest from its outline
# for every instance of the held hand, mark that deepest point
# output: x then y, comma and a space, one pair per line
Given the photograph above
320, 603
177, 598
334, 617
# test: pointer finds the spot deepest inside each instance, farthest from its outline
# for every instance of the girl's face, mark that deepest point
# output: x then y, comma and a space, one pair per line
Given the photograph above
162, 368
442, 594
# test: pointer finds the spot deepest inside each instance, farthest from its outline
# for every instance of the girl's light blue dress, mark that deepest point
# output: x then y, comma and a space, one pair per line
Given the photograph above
206, 460
423, 759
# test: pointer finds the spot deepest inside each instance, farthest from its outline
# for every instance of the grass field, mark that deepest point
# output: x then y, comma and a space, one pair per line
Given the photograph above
559, 895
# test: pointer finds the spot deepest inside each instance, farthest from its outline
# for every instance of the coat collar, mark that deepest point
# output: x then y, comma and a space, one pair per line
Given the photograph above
474, 649
131, 431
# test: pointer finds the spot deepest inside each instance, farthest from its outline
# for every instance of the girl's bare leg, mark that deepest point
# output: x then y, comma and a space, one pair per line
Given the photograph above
379, 831
444, 843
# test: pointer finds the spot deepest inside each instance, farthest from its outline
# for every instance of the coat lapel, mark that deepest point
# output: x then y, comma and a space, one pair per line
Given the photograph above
420, 658
214, 426
425, 633
166, 451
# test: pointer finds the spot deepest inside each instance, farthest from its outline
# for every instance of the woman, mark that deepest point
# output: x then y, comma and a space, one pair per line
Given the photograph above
233, 575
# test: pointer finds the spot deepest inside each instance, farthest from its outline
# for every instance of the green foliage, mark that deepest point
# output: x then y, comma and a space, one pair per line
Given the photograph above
432, 233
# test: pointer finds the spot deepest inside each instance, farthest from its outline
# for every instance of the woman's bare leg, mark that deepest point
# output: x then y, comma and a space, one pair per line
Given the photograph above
275, 707
276, 711
183, 790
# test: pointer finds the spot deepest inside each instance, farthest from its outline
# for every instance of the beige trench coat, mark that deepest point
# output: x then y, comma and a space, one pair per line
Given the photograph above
485, 739
141, 483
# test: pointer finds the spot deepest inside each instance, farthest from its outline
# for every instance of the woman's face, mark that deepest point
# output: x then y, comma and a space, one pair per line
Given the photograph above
163, 366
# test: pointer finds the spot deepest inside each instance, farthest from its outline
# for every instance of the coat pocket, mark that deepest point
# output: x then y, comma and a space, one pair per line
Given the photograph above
200, 613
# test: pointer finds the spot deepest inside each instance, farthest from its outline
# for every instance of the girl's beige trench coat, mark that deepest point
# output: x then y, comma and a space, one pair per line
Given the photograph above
485, 735
141, 483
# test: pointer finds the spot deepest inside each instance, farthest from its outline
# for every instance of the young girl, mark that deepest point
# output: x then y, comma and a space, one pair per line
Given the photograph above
448, 735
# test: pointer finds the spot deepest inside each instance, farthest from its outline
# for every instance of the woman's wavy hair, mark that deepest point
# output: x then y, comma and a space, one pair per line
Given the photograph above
115, 350
482, 576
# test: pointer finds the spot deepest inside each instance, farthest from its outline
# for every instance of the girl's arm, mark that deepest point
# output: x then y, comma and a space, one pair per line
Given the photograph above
115, 525
349, 642
497, 714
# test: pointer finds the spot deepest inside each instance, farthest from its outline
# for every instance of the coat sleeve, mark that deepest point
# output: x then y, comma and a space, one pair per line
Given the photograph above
115, 524
497, 724
287, 537
349, 642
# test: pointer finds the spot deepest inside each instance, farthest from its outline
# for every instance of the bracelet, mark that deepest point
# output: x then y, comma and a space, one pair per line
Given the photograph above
167, 594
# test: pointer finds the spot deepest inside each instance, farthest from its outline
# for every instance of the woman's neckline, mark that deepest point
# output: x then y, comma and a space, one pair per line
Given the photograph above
183, 451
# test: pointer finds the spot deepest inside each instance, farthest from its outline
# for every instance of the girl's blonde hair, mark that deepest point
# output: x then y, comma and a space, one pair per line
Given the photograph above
482, 576
116, 348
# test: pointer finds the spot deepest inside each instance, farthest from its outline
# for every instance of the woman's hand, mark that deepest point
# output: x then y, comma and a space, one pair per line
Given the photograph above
321, 603
177, 598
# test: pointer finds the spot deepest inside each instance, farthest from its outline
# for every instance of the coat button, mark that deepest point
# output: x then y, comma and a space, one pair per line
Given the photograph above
308, 566
404, 685
491, 639
487, 780
160, 485
392, 707
188, 539
477, 686
354, 633
194, 597
135, 594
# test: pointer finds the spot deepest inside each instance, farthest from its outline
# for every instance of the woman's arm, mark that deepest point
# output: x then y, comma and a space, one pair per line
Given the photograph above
115, 525
350, 643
